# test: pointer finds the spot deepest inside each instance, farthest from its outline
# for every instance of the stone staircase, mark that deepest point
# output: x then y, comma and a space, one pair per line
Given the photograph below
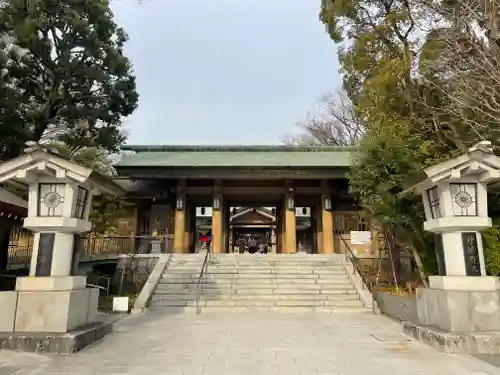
268, 282
177, 287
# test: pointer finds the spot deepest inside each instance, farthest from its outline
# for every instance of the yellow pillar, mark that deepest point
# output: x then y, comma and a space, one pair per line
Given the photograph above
319, 229
282, 237
187, 229
327, 225
180, 220
290, 226
179, 231
217, 220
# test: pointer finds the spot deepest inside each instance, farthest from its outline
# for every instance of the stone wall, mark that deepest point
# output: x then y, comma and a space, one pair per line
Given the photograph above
403, 308
135, 272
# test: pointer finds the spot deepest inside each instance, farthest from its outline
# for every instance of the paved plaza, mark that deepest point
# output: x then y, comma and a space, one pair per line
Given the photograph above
251, 343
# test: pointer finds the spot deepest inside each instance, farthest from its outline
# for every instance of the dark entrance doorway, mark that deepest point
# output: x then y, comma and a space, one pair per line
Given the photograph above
252, 229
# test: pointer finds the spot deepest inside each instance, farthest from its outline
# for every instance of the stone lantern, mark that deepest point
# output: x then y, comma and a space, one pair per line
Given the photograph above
462, 298
53, 298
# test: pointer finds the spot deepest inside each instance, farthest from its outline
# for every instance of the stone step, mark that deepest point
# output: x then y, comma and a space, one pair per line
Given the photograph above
180, 279
341, 284
221, 276
276, 309
207, 289
247, 279
184, 265
255, 297
290, 274
276, 264
240, 271
235, 295
181, 284
275, 259
277, 280
181, 274
257, 303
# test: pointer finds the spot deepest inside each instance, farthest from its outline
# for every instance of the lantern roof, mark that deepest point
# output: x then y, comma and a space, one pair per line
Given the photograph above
478, 164
45, 163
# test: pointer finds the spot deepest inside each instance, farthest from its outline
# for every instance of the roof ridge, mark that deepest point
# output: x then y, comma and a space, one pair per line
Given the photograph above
233, 148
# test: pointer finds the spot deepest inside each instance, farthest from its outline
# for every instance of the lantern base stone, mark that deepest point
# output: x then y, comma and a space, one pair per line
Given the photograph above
50, 283
463, 342
62, 311
8, 301
459, 311
465, 283
58, 343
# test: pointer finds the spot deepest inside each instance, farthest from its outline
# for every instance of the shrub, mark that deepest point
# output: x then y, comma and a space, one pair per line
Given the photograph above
491, 241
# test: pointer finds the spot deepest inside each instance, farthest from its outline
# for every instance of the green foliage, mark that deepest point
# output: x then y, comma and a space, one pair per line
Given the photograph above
105, 209
491, 240
63, 66
399, 81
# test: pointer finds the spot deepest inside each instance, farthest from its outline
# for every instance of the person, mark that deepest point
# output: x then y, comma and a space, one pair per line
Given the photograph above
262, 247
252, 245
241, 245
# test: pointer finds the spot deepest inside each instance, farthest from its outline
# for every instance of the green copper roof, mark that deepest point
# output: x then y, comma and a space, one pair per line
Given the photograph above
236, 156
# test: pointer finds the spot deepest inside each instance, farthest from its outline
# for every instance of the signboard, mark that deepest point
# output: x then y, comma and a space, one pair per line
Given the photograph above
471, 254
361, 237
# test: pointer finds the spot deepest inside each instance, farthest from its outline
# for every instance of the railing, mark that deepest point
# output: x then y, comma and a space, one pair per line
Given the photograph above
202, 277
100, 282
356, 267
19, 256
94, 248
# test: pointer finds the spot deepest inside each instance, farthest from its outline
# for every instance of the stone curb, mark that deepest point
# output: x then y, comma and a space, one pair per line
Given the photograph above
364, 293
149, 288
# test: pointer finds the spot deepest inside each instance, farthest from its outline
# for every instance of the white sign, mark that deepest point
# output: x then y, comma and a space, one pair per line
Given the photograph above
120, 304
361, 237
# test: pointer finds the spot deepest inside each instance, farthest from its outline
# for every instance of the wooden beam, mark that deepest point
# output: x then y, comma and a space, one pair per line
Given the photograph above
252, 190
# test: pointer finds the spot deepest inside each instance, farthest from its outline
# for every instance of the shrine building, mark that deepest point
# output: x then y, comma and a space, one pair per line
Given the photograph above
296, 197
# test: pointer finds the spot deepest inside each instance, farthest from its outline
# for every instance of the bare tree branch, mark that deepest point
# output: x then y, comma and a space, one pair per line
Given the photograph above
334, 124
467, 71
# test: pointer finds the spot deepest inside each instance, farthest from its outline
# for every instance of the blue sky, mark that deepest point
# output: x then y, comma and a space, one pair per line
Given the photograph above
225, 71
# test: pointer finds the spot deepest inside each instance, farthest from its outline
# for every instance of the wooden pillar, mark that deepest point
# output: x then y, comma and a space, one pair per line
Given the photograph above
290, 222
318, 228
180, 218
217, 219
134, 220
188, 238
225, 226
281, 229
326, 219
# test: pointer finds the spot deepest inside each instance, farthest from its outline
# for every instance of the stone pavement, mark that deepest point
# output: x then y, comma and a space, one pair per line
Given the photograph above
251, 343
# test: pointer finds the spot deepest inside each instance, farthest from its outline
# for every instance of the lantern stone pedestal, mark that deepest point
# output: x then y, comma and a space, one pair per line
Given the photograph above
460, 310
52, 310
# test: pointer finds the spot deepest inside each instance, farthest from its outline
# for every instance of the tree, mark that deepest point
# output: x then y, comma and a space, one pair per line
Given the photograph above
334, 124
105, 209
423, 76
64, 61
463, 68
9, 98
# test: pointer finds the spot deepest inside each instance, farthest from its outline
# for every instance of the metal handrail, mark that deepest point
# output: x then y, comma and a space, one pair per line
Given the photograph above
355, 266
203, 273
